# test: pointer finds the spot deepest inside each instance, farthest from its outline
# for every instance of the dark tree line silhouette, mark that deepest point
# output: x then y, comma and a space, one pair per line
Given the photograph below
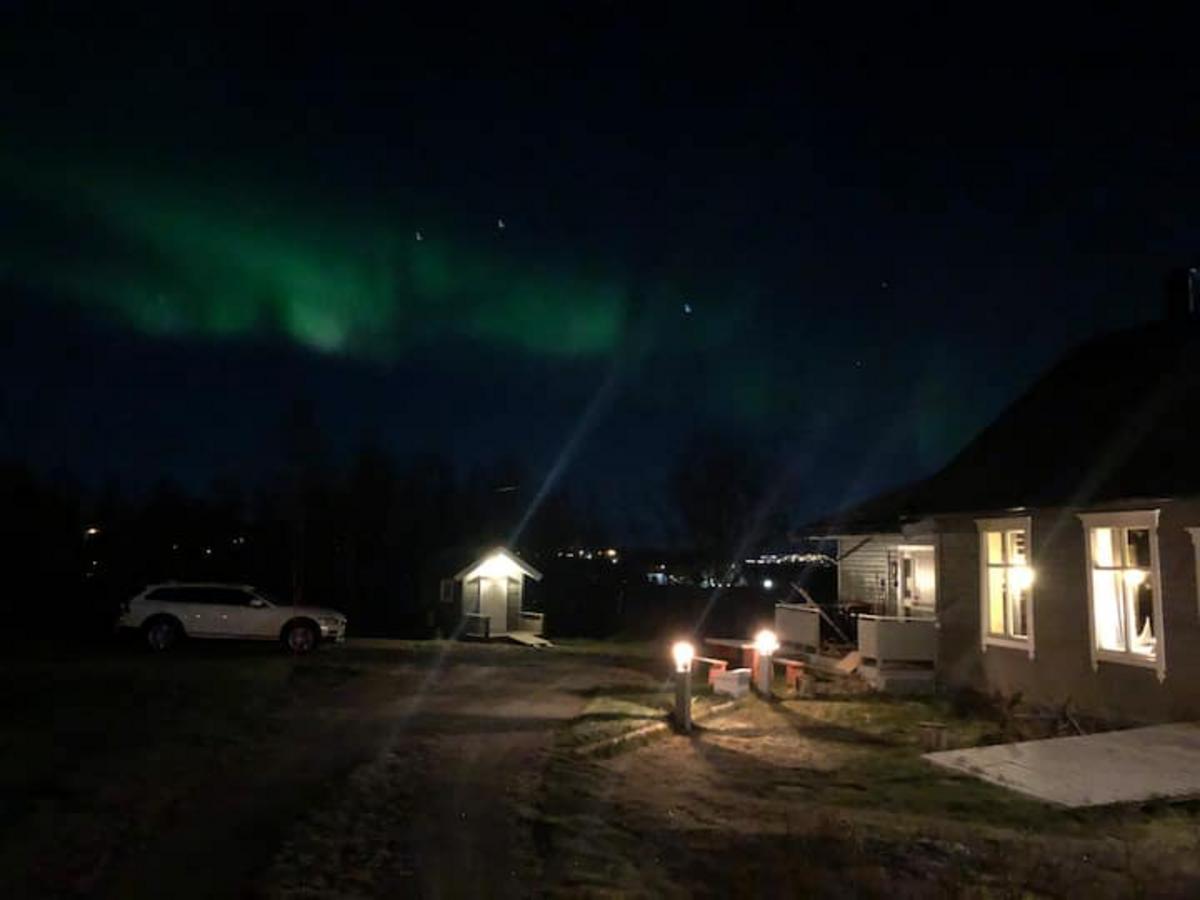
371, 536
366, 538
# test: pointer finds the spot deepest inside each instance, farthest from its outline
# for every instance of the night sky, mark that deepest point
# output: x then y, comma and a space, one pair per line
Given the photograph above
846, 246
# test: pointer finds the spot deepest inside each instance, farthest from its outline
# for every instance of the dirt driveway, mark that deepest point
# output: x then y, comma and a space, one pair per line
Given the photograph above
444, 809
378, 770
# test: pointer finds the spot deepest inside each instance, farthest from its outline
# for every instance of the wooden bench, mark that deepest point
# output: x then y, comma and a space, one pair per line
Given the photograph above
742, 650
715, 666
794, 670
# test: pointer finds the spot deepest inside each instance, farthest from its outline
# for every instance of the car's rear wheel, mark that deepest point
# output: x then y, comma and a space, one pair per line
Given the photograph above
300, 637
162, 633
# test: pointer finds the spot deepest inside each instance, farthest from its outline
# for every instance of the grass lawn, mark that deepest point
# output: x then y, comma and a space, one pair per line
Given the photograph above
829, 797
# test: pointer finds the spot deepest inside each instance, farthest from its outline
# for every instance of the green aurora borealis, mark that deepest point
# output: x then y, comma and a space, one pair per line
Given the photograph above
211, 256
194, 261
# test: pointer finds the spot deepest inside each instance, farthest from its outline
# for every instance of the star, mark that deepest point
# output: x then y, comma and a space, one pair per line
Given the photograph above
419, 236
500, 224
687, 309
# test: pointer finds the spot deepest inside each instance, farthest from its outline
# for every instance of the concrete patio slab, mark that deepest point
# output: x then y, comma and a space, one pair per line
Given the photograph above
1161, 761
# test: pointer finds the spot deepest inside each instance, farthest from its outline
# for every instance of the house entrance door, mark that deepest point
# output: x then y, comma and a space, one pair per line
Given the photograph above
913, 589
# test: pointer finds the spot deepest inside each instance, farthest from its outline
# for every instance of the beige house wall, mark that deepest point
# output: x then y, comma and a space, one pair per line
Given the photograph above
1061, 669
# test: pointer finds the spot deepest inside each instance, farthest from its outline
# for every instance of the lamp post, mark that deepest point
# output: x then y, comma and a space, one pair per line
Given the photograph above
683, 652
765, 643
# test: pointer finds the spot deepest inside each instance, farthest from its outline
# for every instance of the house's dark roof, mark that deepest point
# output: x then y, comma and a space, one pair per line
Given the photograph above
881, 514
1117, 418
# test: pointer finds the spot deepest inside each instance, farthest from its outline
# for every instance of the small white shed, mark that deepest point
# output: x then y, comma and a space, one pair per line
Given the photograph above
491, 591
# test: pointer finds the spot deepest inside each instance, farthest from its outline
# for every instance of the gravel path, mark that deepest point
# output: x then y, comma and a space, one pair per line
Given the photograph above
446, 808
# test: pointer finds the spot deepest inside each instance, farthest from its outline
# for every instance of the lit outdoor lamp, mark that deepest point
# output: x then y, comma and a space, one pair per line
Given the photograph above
683, 652
765, 643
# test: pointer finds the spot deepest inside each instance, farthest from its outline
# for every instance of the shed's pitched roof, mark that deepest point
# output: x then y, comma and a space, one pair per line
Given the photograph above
1118, 418
519, 563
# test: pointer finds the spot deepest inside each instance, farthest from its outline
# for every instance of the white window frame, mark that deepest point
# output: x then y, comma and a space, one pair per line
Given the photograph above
986, 638
1142, 518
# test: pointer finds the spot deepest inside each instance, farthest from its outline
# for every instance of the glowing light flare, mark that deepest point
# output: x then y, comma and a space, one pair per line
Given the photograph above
683, 652
1134, 578
768, 584
765, 642
1022, 577
496, 566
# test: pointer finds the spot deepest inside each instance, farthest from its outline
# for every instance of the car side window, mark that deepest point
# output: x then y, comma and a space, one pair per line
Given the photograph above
227, 597
207, 596
170, 595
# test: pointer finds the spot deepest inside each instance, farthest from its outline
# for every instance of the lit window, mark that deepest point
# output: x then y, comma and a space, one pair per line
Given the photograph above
1123, 588
1006, 583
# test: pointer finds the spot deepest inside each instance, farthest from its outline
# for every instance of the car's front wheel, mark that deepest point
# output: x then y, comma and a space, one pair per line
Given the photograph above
300, 637
162, 633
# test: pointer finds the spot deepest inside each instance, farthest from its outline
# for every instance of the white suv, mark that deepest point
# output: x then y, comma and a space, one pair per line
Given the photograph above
167, 612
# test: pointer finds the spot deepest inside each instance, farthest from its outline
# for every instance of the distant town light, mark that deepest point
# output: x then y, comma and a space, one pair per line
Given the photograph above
792, 559
768, 584
92, 531
765, 642
683, 653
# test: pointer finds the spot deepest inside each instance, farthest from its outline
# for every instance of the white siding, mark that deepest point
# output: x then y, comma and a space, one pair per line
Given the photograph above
863, 573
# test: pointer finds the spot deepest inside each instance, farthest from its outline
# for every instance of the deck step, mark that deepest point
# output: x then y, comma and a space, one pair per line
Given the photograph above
834, 665
529, 639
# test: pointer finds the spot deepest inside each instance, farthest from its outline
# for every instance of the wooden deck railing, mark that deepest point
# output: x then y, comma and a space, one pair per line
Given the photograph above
888, 639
